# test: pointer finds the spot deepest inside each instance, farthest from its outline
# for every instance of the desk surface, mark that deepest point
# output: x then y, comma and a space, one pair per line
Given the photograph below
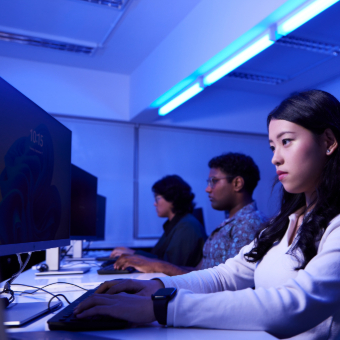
91, 280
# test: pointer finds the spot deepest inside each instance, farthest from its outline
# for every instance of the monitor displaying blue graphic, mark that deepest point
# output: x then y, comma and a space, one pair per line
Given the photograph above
35, 176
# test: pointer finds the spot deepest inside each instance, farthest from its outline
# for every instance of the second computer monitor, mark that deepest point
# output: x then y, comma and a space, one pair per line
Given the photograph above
101, 211
83, 205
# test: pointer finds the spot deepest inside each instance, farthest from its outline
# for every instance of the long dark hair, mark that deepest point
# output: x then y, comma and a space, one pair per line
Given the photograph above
316, 111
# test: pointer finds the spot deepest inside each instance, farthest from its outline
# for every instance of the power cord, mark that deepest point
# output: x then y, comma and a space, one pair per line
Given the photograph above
42, 289
65, 252
7, 287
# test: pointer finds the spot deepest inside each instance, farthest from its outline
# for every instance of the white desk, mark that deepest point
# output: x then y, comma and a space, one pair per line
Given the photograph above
150, 331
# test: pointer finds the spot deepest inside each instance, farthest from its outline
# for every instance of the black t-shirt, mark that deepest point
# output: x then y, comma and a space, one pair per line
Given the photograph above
181, 243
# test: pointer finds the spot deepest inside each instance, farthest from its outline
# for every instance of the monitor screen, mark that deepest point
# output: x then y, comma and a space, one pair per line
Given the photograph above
83, 204
101, 211
35, 176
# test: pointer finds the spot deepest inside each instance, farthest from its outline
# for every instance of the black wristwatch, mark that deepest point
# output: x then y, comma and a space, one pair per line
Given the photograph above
160, 303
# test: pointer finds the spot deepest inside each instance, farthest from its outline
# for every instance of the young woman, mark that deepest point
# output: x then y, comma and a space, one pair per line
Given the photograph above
183, 238
294, 262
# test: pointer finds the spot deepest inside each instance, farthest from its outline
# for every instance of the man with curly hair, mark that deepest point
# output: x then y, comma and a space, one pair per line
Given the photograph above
232, 180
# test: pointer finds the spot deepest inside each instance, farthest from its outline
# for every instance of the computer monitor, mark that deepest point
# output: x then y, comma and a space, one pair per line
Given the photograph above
101, 213
83, 204
35, 177
83, 208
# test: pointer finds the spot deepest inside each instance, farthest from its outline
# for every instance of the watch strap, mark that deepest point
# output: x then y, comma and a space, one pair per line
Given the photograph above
160, 308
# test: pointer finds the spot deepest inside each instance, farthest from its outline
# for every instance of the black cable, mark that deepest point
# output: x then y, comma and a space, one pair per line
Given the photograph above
7, 287
22, 267
87, 248
50, 284
53, 295
56, 296
37, 288
64, 255
10, 292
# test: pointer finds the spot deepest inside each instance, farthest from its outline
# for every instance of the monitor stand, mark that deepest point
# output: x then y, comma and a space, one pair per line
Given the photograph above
78, 252
53, 265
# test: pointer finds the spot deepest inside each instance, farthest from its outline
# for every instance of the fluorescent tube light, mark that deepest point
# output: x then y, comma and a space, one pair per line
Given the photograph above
239, 59
302, 16
180, 99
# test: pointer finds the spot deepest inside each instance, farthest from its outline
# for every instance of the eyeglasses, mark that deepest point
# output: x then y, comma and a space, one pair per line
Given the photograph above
213, 180
157, 198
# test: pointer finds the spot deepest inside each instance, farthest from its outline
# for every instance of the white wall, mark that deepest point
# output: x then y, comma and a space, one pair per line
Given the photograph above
69, 90
107, 150
332, 86
224, 110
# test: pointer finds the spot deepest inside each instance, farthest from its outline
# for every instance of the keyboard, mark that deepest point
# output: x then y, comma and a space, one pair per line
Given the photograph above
66, 320
109, 270
106, 258
107, 263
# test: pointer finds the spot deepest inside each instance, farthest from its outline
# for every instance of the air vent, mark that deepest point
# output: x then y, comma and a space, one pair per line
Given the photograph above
119, 4
257, 78
309, 45
53, 44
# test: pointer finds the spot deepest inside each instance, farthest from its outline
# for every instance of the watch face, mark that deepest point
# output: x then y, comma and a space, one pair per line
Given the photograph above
164, 294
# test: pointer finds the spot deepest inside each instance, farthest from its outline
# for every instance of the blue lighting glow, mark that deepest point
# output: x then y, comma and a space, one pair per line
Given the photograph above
239, 59
180, 99
302, 16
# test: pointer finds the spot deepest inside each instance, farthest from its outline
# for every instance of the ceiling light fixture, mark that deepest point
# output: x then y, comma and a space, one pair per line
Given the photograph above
238, 59
181, 98
119, 4
48, 43
277, 31
257, 78
309, 45
303, 15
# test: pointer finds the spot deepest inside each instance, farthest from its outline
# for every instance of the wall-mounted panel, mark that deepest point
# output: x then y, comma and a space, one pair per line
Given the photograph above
105, 150
126, 165
186, 152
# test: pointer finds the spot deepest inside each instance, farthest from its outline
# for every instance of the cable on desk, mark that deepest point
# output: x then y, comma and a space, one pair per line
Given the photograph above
64, 255
7, 287
53, 295
50, 284
46, 291
87, 248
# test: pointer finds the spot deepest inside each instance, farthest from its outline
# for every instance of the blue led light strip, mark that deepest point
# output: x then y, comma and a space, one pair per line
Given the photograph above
239, 59
180, 99
284, 27
302, 16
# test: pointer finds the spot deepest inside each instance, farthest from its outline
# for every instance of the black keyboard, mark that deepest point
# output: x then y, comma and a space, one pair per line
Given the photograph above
107, 263
66, 320
106, 258
108, 270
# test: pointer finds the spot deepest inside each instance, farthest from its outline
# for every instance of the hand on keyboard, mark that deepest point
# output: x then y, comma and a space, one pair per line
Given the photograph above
67, 320
130, 307
109, 262
139, 262
137, 287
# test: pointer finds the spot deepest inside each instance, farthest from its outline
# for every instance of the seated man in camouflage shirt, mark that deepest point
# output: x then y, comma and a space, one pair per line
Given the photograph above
232, 180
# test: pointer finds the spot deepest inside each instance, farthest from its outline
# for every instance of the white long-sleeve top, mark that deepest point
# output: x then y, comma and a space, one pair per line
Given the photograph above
302, 304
